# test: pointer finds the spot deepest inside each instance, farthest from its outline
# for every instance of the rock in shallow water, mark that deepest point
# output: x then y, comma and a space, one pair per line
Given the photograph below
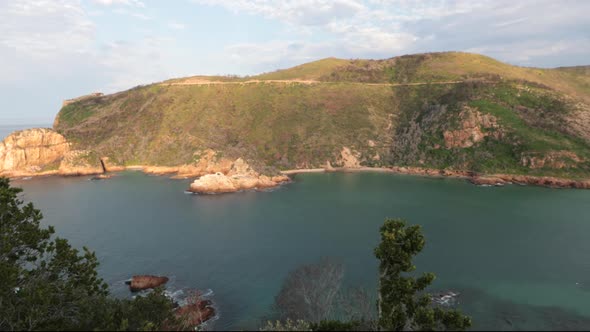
138, 283
195, 314
221, 183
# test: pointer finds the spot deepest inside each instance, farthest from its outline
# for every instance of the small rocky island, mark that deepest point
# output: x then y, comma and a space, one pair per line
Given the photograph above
194, 313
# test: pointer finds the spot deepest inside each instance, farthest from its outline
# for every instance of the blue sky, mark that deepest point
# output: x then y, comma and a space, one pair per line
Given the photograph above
53, 50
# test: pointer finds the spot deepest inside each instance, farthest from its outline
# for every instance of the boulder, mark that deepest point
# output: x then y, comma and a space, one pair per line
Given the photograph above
142, 282
195, 314
213, 183
189, 316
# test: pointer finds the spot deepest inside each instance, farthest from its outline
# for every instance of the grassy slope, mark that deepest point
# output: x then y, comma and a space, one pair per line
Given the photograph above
289, 125
279, 124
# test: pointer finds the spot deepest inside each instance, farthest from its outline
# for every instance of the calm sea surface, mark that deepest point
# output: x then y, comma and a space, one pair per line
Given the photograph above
519, 256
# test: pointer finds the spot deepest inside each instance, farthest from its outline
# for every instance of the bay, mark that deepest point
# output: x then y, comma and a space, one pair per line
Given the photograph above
519, 256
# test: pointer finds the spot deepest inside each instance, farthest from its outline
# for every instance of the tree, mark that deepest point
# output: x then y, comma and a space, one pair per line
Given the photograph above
310, 292
400, 305
48, 285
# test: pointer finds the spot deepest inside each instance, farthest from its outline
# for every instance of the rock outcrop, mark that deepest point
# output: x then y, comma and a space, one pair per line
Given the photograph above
80, 162
32, 150
349, 158
545, 181
194, 314
222, 183
206, 162
551, 159
142, 282
42, 151
71, 101
474, 127
191, 315
229, 176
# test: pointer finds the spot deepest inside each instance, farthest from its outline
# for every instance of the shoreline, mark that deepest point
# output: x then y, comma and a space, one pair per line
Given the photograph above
476, 179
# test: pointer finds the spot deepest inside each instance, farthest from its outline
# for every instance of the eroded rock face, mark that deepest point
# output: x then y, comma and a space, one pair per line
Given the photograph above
32, 150
349, 158
80, 162
230, 177
209, 162
213, 183
42, 151
221, 183
474, 127
552, 159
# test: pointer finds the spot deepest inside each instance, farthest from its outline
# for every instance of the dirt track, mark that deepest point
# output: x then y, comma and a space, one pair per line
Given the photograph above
306, 82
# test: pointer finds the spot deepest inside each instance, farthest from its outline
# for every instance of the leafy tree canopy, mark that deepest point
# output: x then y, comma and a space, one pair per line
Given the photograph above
402, 305
49, 285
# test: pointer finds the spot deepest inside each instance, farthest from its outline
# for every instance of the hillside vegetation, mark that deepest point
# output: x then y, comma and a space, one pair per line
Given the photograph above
468, 112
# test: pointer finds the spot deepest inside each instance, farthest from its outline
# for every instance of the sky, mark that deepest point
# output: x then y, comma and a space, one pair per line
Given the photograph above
52, 50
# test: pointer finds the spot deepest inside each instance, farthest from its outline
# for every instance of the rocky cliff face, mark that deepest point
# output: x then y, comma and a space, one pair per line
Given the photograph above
32, 150
474, 127
551, 159
222, 175
42, 151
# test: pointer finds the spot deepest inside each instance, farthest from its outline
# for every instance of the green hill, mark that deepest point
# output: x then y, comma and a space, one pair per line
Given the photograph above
441, 110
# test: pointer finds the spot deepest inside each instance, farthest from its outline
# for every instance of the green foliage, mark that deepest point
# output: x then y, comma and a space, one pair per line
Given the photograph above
334, 325
531, 119
276, 124
285, 125
287, 325
310, 292
302, 325
48, 285
400, 305
308, 71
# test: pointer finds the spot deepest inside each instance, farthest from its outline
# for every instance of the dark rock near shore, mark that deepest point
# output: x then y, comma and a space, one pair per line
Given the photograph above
195, 314
142, 282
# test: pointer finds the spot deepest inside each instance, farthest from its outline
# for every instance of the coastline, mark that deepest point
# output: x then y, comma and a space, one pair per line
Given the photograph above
476, 179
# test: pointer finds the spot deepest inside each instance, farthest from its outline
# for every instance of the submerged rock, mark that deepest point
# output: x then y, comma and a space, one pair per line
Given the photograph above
101, 177
142, 282
448, 298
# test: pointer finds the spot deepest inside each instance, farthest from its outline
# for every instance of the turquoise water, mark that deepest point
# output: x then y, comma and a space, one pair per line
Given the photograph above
519, 256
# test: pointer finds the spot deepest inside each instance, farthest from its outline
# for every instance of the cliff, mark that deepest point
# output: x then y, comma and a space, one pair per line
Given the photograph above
42, 151
451, 112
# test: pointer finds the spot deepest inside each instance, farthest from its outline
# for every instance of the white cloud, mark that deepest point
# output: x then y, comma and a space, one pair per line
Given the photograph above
304, 12
56, 40
136, 3
518, 32
131, 13
128, 64
176, 25
41, 29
